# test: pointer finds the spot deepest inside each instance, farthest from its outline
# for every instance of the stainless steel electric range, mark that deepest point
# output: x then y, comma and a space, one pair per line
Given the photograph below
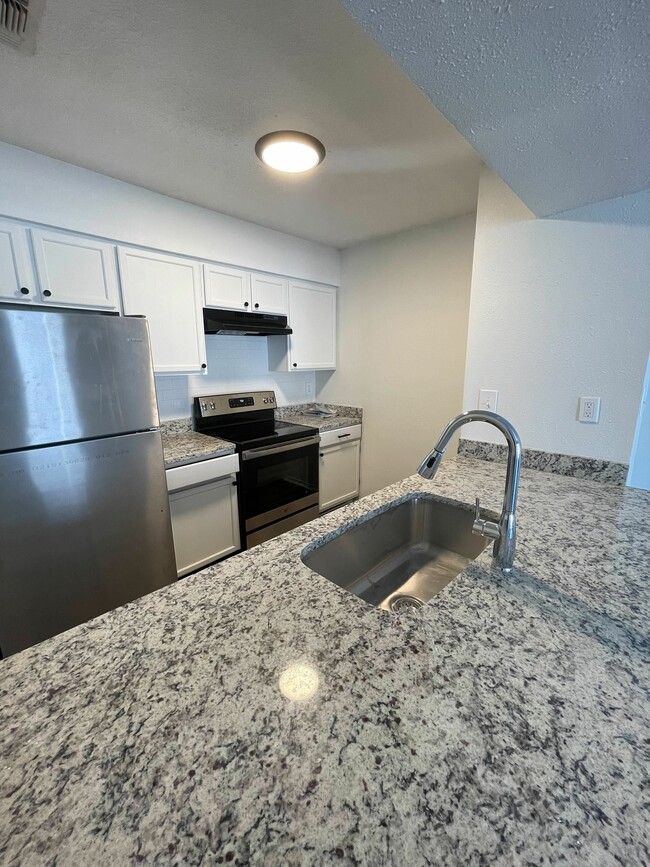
278, 477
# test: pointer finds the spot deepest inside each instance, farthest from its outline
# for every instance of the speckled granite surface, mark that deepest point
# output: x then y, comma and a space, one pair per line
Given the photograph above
504, 723
299, 413
549, 462
182, 445
176, 425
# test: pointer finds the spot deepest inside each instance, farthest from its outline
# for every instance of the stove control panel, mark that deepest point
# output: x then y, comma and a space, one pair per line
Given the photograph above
212, 405
239, 402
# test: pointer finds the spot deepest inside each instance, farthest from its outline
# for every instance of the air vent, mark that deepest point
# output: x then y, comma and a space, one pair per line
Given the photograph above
18, 19
13, 20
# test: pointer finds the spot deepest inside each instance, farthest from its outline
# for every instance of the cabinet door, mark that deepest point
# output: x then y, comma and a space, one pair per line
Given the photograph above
17, 279
75, 271
339, 475
167, 290
312, 316
227, 287
205, 523
269, 294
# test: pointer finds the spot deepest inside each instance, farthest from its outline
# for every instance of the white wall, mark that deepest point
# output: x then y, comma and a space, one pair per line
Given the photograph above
43, 190
403, 307
560, 308
234, 364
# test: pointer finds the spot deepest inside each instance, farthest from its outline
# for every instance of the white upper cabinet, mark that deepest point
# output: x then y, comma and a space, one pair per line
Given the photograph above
17, 278
227, 287
167, 290
249, 291
75, 271
269, 294
312, 317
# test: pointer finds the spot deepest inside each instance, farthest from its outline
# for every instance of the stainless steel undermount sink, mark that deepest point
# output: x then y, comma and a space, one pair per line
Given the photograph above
401, 557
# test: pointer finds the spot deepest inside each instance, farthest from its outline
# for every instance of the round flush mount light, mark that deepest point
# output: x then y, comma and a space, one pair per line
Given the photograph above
290, 151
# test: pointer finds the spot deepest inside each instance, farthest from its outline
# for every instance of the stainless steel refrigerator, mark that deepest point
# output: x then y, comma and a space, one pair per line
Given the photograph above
84, 513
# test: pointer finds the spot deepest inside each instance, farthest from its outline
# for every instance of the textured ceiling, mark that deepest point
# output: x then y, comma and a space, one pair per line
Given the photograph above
173, 95
554, 94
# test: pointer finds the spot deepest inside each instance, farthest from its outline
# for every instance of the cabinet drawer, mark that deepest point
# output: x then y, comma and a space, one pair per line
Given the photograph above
340, 435
201, 471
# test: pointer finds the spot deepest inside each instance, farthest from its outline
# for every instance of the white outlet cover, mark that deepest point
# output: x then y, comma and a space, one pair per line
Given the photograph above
589, 410
488, 399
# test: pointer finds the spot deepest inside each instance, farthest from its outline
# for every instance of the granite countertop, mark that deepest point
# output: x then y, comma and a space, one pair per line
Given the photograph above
254, 713
190, 446
182, 445
303, 414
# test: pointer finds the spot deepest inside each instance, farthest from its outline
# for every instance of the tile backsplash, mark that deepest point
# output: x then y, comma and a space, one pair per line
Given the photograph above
234, 364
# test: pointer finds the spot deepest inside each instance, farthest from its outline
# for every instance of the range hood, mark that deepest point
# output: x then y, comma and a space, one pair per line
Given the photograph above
239, 322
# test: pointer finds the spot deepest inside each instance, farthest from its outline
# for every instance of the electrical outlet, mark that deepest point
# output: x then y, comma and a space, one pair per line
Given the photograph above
309, 389
589, 410
488, 399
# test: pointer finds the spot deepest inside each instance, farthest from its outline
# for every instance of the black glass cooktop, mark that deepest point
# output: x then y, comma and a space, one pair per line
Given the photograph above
257, 434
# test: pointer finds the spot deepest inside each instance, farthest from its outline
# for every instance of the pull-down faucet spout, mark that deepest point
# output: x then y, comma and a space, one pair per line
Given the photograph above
505, 532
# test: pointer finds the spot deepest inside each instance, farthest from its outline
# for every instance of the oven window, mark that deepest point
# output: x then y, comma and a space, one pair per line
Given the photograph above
278, 480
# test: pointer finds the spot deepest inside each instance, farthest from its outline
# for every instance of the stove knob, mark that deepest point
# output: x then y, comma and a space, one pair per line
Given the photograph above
212, 406
266, 400
204, 406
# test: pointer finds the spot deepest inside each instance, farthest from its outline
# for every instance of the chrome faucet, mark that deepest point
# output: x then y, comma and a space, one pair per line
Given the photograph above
505, 532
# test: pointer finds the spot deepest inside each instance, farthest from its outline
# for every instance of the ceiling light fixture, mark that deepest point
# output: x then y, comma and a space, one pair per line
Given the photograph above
290, 151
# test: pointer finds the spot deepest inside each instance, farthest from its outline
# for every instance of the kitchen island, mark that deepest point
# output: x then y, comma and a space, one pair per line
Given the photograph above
254, 713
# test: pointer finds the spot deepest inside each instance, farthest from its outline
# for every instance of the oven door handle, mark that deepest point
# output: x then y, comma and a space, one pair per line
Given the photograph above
251, 454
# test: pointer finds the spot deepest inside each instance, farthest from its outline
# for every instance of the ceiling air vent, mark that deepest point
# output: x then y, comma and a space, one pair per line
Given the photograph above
18, 20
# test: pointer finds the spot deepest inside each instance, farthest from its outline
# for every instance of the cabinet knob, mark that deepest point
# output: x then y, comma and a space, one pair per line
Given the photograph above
204, 366
47, 293
322, 455
234, 484
295, 364
24, 290
256, 306
245, 303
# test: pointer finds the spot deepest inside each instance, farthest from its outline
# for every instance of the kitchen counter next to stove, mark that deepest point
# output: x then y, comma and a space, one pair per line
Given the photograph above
254, 713
300, 413
182, 445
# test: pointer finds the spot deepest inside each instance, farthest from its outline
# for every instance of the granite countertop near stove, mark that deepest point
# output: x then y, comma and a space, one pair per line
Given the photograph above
302, 413
182, 445
254, 713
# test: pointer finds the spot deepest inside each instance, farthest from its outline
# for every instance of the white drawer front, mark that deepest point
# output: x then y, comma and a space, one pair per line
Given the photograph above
201, 471
340, 435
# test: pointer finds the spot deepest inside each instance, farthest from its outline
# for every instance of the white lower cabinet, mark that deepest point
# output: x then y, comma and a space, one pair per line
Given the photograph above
167, 290
205, 520
339, 466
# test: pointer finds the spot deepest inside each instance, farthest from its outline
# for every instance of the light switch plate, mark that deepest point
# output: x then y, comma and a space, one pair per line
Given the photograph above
309, 389
488, 399
589, 410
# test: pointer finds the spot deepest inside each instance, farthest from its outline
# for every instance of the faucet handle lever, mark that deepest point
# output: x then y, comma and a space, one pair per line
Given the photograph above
477, 514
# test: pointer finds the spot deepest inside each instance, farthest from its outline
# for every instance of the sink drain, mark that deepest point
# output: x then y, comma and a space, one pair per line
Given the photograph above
405, 603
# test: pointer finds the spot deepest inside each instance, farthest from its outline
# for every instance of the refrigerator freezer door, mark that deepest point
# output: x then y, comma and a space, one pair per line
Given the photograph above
85, 528
70, 376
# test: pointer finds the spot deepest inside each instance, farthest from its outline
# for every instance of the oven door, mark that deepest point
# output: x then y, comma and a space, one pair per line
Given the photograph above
278, 481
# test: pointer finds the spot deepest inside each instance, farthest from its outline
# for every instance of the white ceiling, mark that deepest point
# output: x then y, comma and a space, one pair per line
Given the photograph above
554, 94
173, 95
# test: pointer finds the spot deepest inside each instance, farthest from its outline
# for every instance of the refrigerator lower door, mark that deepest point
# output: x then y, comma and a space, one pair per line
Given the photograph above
85, 528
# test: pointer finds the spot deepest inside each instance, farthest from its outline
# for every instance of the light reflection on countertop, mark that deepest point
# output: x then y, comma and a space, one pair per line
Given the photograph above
299, 682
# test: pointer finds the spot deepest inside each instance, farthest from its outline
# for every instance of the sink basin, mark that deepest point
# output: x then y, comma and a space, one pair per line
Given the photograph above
401, 557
